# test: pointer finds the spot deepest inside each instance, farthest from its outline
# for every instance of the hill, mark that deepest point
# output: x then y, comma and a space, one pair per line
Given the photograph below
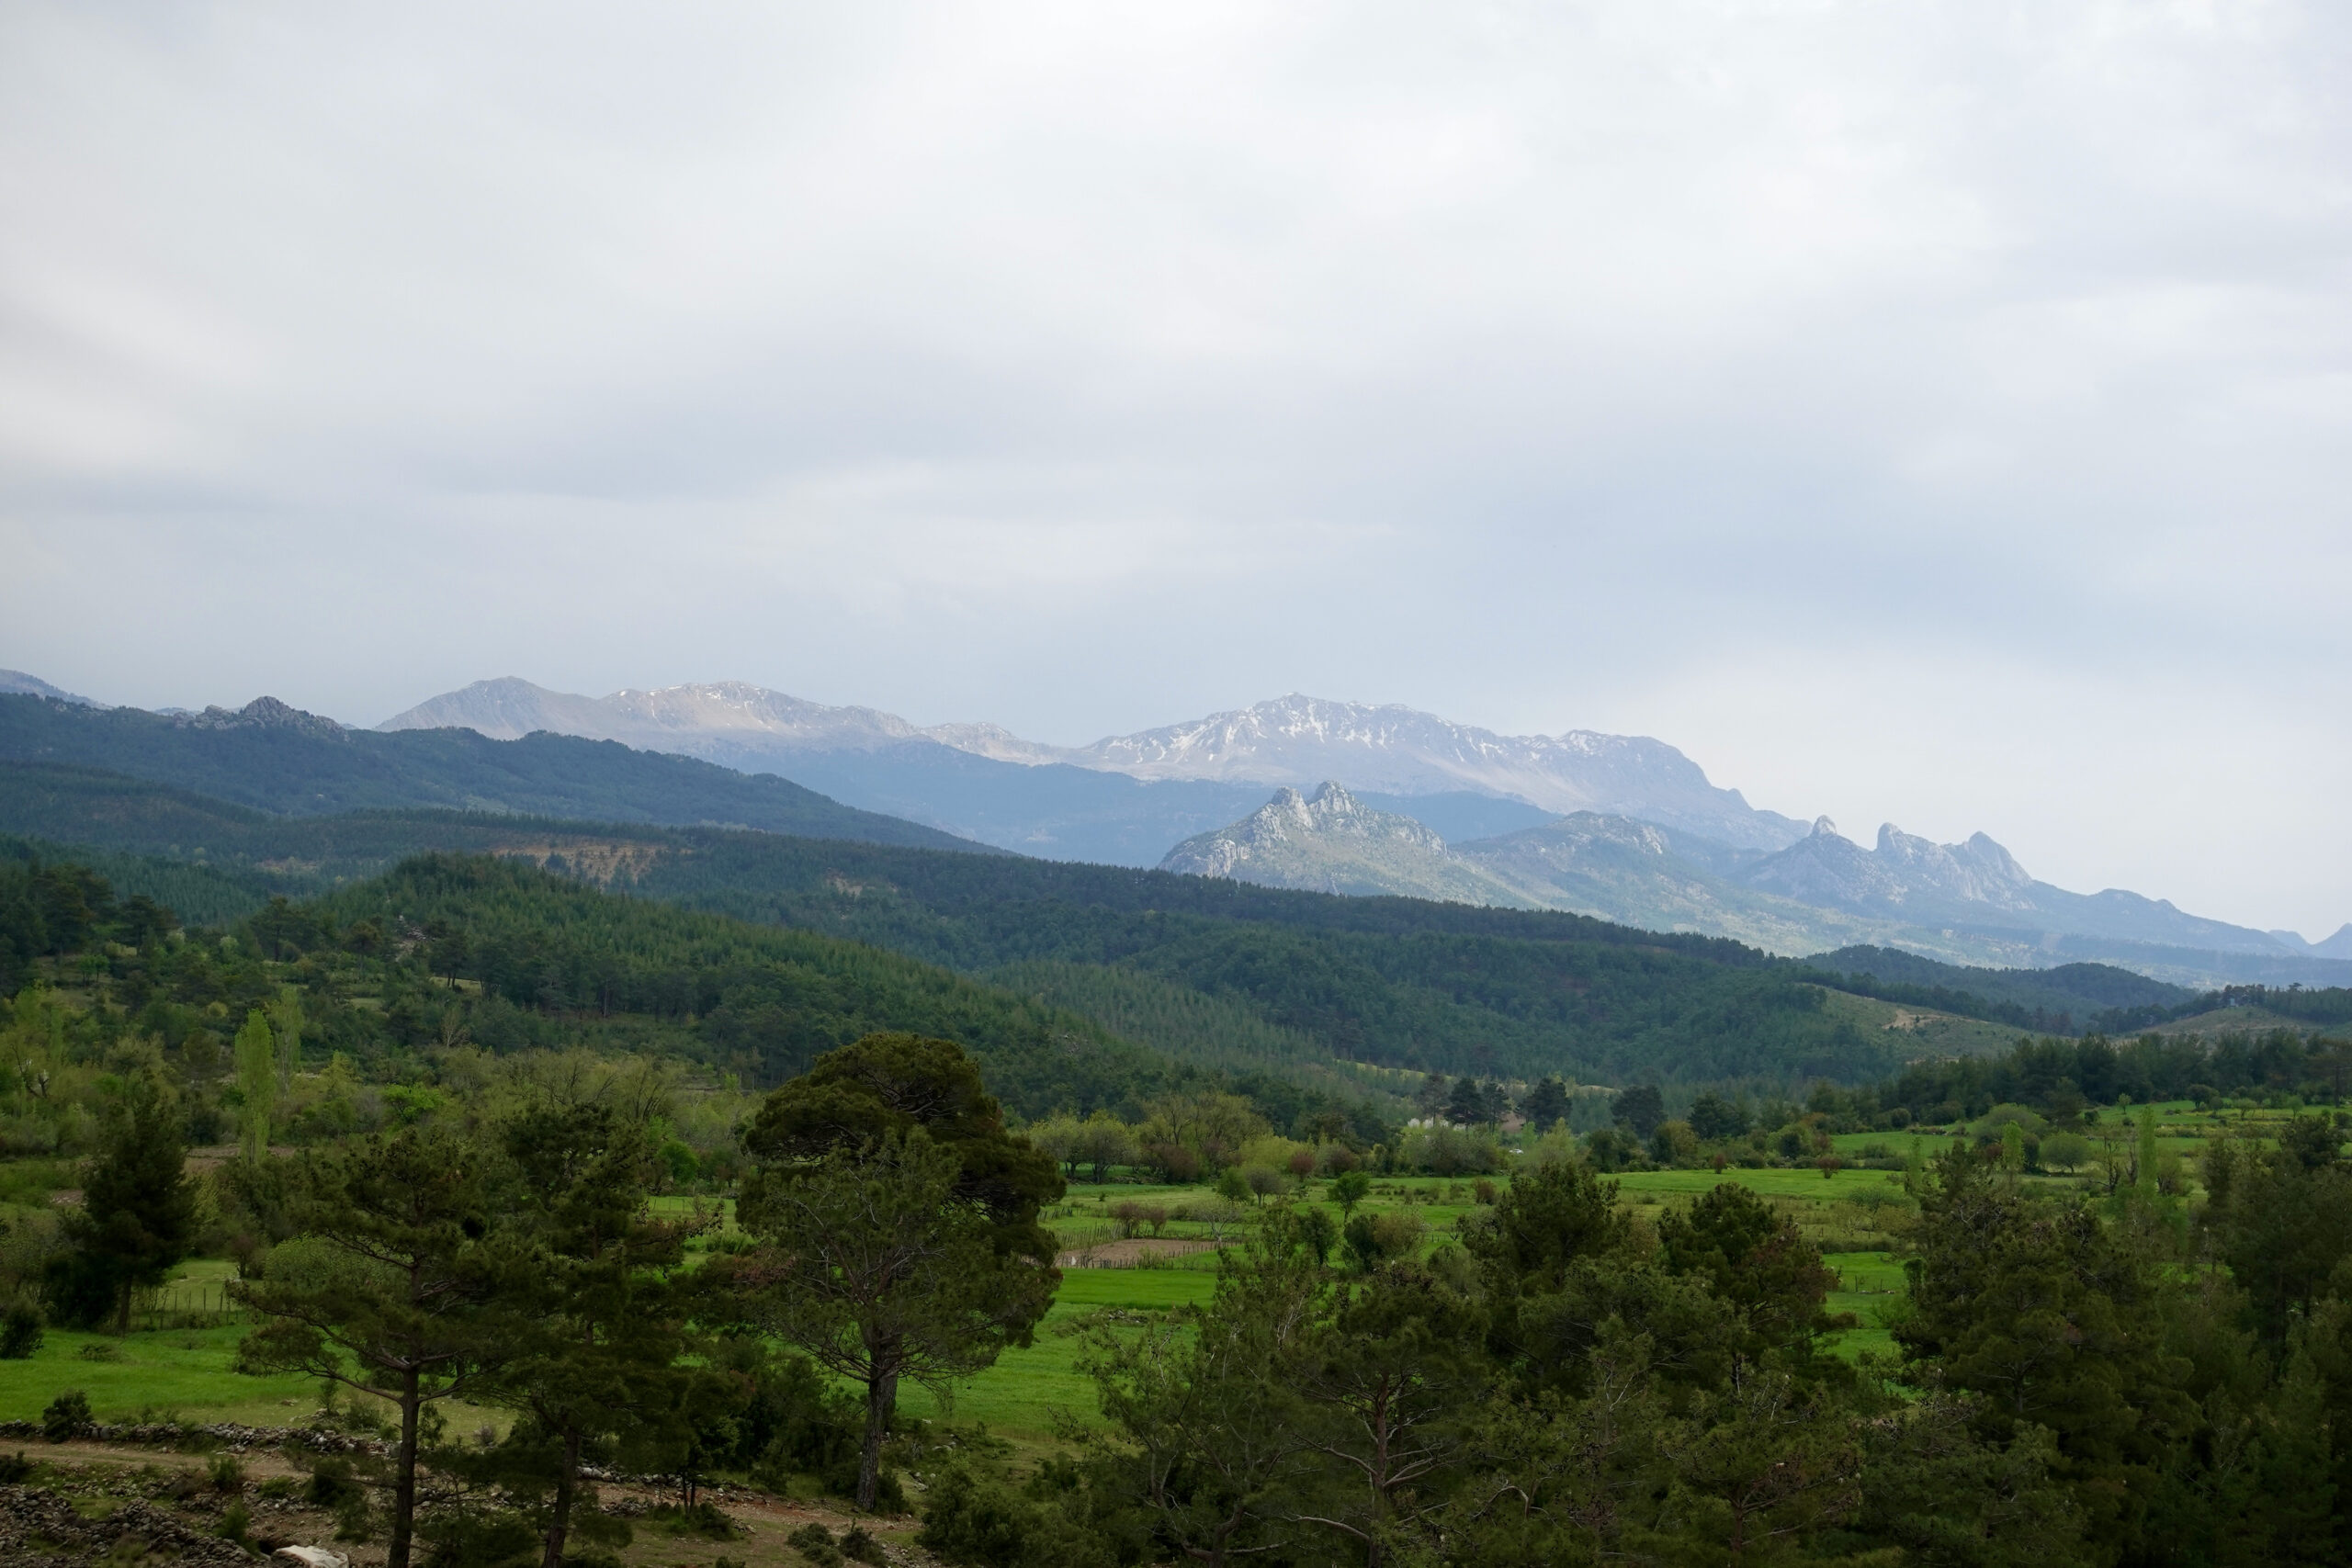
271, 758
1305, 986
2056, 1000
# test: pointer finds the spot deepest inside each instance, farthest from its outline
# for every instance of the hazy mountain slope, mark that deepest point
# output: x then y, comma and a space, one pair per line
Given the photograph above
16, 684
272, 758
1980, 884
1330, 842
695, 720
1296, 741
1054, 810
1300, 739
1642, 875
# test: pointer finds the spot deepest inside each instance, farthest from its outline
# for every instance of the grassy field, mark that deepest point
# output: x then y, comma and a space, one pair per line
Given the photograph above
1023, 1393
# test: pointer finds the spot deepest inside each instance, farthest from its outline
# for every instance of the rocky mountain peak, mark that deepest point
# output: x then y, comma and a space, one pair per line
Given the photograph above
266, 713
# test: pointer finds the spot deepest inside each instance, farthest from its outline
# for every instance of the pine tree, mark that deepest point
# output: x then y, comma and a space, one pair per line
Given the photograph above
396, 1286
1546, 1104
881, 1273
601, 1355
138, 1215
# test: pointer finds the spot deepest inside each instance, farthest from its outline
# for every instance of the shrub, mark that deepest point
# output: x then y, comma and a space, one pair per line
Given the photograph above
20, 1333
68, 1415
1372, 1239
860, 1547
332, 1485
703, 1519
228, 1476
815, 1543
982, 1523
1672, 1143
235, 1520
2065, 1151
15, 1468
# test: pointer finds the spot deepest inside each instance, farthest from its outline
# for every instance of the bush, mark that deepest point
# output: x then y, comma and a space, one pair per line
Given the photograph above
20, 1333
980, 1523
703, 1519
2065, 1151
68, 1415
332, 1485
235, 1520
860, 1547
16, 1469
469, 1537
228, 1476
815, 1543
1371, 1240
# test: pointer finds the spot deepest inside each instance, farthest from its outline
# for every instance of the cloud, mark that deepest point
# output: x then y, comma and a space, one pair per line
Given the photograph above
1690, 368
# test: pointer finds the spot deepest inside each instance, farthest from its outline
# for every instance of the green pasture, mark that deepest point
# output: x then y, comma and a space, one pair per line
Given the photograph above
1021, 1396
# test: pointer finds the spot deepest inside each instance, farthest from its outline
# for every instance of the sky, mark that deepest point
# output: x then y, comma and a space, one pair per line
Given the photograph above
1936, 413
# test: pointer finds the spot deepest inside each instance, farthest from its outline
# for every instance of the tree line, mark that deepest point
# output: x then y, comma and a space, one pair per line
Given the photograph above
887, 1231
2072, 1382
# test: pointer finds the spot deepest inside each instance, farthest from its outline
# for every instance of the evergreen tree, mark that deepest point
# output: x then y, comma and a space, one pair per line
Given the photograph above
1392, 1374
1211, 1442
2055, 1320
1431, 1098
876, 1279
1546, 1104
882, 1272
1714, 1118
137, 1218
395, 1286
1642, 1107
600, 1354
1756, 1262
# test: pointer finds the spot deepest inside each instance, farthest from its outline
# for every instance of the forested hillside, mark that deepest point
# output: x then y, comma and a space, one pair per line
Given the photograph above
449, 950
1288, 981
271, 758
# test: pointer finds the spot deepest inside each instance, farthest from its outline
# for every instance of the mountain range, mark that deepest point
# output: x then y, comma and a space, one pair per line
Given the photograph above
1625, 828
1967, 903
1111, 801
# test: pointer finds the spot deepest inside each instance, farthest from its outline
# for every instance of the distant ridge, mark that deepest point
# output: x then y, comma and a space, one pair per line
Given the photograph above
16, 682
271, 757
1296, 740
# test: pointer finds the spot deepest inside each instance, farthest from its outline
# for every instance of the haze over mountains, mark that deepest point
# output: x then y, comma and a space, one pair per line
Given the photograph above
880, 761
1626, 828
1408, 804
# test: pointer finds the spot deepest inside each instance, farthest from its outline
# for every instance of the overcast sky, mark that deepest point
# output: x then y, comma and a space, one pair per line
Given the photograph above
1934, 413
